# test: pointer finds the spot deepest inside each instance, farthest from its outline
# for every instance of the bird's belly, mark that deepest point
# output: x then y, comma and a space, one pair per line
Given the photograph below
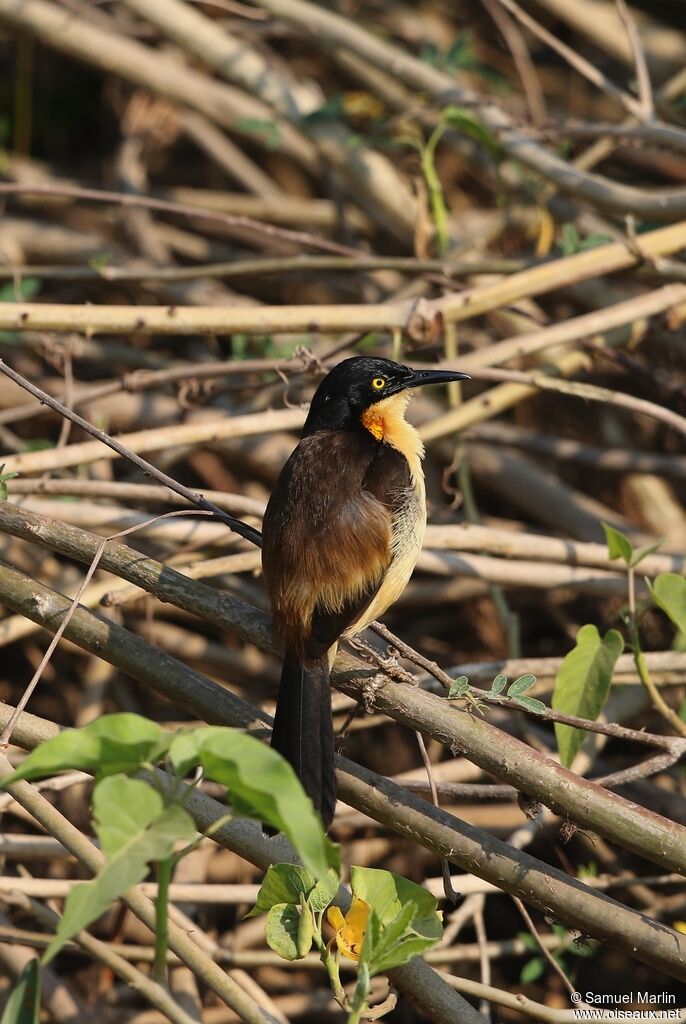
409, 524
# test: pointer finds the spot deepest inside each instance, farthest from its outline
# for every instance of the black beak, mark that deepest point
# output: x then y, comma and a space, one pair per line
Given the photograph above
419, 378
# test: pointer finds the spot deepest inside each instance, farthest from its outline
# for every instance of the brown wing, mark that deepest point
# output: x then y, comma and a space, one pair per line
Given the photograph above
327, 536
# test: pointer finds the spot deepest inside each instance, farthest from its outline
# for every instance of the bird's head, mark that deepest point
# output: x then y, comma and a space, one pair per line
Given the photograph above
356, 389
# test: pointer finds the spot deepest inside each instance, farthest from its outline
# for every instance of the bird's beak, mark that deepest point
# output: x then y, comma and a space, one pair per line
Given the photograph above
421, 377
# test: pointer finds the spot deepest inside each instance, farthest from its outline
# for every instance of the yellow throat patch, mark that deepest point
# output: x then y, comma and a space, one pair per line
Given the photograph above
385, 420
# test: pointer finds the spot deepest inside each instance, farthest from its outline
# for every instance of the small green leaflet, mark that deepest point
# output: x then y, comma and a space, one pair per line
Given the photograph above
458, 688
498, 685
583, 683
521, 685
618, 545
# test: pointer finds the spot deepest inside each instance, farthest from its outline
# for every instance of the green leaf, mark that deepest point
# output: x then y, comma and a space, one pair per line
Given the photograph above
267, 131
669, 593
4, 477
135, 828
381, 941
582, 684
527, 940
618, 544
19, 291
23, 1005
305, 929
263, 785
112, 744
324, 891
122, 808
463, 120
647, 550
283, 922
532, 704
593, 241
387, 893
521, 685
571, 240
498, 685
532, 970
184, 751
458, 687
283, 883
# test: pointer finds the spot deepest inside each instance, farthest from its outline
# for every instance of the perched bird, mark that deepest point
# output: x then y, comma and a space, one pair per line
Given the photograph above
341, 535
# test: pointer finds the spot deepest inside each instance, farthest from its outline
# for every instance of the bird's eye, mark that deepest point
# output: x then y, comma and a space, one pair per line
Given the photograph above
379, 383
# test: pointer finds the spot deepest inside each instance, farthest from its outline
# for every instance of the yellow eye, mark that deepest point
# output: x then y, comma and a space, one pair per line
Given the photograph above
378, 383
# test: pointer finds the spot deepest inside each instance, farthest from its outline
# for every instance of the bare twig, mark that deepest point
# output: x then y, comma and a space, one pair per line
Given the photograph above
6, 735
645, 91
542, 947
194, 498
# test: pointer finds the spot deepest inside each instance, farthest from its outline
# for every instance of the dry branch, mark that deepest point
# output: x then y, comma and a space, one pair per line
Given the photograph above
656, 838
328, 28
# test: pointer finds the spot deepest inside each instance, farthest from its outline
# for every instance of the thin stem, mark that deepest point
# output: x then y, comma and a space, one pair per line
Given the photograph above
644, 675
438, 210
165, 869
331, 965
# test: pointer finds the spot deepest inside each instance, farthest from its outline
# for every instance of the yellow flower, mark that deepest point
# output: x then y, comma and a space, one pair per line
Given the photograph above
350, 929
680, 926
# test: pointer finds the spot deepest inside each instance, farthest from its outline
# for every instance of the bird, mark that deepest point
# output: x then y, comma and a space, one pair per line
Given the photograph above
342, 532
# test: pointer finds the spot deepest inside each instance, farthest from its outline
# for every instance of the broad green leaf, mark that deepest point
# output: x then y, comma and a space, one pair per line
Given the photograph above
152, 841
184, 750
283, 883
498, 684
521, 685
283, 922
114, 743
583, 683
669, 593
23, 1005
458, 687
324, 891
122, 808
618, 544
387, 893
261, 784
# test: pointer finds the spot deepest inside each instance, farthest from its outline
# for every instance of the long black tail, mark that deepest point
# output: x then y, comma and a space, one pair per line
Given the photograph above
303, 730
